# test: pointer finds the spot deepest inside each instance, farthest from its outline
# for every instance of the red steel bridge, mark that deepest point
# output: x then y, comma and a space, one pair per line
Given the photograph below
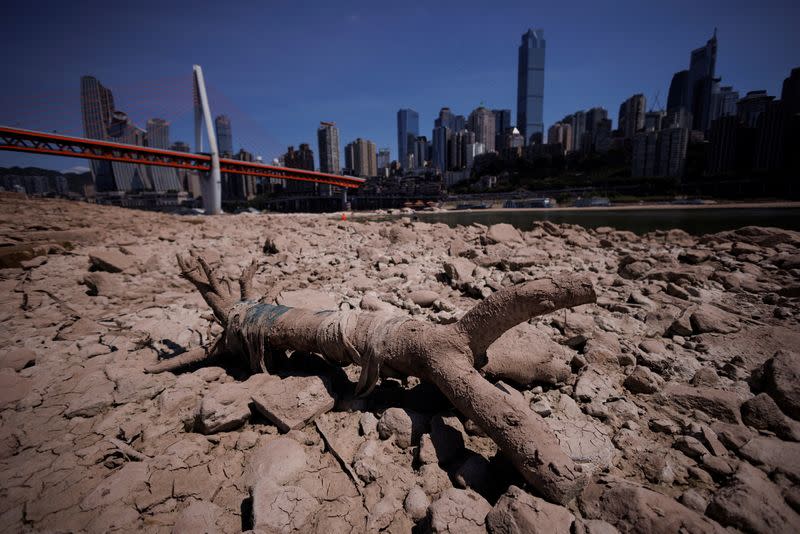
78, 147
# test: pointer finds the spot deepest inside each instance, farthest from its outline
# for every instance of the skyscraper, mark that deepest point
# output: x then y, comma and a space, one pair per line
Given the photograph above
127, 176
750, 108
502, 122
360, 156
561, 134
162, 178
384, 158
407, 132
420, 151
97, 107
701, 83
441, 138
723, 103
482, 122
530, 84
678, 97
222, 126
631, 115
328, 142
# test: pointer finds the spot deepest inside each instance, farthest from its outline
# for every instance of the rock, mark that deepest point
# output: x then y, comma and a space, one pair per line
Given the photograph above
594, 526
406, 426
368, 423
720, 404
780, 378
423, 298
752, 503
503, 233
693, 499
199, 516
459, 270
525, 355
584, 439
705, 376
224, 408
294, 401
634, 508
518, 512
595, 384
691, 447
762, 413
112, 261
733, 436
102, 283
709, 318
18, 358
280, 461
459, 512
281, 508
447, 437
773, 456
416, 503
642, 380
427, 452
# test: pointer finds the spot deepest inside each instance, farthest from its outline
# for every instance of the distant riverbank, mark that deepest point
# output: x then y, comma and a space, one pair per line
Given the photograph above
639, 218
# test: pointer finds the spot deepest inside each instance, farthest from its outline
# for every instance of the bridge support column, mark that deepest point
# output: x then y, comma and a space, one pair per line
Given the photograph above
210, 184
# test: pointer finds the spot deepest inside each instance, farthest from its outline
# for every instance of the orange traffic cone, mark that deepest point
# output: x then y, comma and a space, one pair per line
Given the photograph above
344, 216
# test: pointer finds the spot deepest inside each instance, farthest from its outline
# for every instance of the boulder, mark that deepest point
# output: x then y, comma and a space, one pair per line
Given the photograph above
405, 425
416, 503
780, 378
762, 413
525, 355
295, 401
280, 461
708, 318
18, 358
752, 503
634, 508
773, 455
503, 233
642, 380
459, 511
518, 512
223, 408
718, 403
112, 261
423, 298
459, 269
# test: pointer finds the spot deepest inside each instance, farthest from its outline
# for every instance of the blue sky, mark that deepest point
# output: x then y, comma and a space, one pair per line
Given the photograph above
278, 68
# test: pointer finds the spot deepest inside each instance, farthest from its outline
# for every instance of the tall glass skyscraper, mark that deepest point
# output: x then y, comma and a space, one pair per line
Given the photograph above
530, 85
97, 108
702, 83
407, 132
161, 178
222, 125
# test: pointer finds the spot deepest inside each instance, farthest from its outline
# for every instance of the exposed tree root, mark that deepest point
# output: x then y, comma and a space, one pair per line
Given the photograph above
446, 355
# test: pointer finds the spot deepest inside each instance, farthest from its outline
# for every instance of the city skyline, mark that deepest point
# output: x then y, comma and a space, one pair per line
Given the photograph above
480, 72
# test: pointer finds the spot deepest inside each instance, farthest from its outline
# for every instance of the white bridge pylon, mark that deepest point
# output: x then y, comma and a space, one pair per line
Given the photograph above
211, 184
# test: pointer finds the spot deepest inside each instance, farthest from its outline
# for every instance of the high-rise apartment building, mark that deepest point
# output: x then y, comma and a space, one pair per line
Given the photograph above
222, 127
560, 133
654, 120
631, 116
361, 157
97, 107
439, 148
530, 84
328, 143
407, 132
457, 149
660, 153
482, 122
302, 158
750, 108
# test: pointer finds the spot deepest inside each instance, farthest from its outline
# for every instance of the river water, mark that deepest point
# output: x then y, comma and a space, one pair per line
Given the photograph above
696, 221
